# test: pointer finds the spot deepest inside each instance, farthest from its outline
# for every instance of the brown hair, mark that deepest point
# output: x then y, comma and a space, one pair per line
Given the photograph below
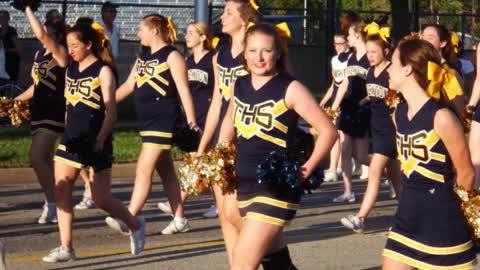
161, 23
358, 27
379, 41
202, 29
280, 46
348, 20
448, 53
417, 53
247, 11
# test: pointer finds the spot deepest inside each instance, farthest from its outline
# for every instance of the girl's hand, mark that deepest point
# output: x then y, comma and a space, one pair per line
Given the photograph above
305, 172
99, 145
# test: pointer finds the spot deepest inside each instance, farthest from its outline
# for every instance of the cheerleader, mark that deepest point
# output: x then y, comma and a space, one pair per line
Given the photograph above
158, 81
354, 117
339, 65
440, 38
48, 104
228, 67
200, 81
87, 141
429, 230
262, 116
382, 128
474, 110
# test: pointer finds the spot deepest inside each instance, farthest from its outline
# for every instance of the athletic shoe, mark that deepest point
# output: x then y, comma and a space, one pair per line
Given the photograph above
165, 207
60, 254
117, 225
364, 175
354, 223
177, 227
345, 198
86, 203
211, 213
137, 238
330, 176
49, 214
391, 191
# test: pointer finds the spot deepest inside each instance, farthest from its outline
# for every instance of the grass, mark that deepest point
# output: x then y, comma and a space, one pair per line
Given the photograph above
15, 145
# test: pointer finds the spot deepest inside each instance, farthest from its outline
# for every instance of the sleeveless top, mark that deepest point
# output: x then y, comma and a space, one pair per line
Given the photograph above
356, 74
425, 162
377, 88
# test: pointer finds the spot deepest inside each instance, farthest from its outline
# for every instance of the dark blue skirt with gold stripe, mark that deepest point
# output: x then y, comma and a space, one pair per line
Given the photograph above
267, 207
429, 230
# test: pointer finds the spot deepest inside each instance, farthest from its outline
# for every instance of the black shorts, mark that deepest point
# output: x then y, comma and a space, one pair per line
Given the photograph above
355, 124
382, 131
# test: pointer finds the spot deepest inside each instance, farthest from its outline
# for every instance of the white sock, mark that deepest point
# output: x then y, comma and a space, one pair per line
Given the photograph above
180, 219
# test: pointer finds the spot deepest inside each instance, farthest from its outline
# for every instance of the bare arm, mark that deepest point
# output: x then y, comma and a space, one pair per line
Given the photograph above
107, 84
178, 68
299, 98
213, 112
227, 129
476, 85
58, 51
27, 94
342, 90
126, 88
450, 131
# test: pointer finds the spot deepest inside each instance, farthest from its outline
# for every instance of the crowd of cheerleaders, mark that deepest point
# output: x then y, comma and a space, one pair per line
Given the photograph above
244, 93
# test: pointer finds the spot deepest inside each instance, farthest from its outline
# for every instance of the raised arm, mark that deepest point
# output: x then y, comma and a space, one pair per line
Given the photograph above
213, 112
107, 85
299, 98
178, 68
58, 51
450, 131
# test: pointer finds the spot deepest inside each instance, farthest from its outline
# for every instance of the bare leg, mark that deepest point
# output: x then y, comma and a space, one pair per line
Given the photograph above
166, 171
346, 162
87, 193
391, 264
230, 219
473, 141
41, 157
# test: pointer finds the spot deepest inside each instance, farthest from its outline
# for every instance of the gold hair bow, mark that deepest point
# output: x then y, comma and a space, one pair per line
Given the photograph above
172, 28
443, 81
100, 30
254, 5
215, 42
373, 29
283, 30
455, 41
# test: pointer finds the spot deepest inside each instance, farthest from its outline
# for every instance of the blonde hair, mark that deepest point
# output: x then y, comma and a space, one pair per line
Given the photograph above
163, 25
202, 29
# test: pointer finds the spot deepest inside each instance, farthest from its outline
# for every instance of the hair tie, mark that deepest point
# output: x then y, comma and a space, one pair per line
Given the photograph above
455, 41
100, 30
374, 29
442, 80
172, 28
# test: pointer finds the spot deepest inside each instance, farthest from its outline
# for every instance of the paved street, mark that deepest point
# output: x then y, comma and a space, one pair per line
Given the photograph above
317, 240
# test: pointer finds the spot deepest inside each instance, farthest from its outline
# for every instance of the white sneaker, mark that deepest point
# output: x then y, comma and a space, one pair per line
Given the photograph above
165, 207
117, 225
330, 176
49, 214
211, 213
86, 203
364, 175
354, 223
391, 191
345, 198
60, 254
3, 250
137, 238
176, 227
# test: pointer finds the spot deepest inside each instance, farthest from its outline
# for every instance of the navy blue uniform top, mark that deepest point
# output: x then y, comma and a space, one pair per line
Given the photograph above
48, 102
85, 106
154, 83
356, 73
263, 123
201, 81
425, 161
377, 88
229, 70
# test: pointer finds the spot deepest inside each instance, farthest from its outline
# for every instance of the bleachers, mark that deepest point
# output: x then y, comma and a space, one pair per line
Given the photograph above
128, 16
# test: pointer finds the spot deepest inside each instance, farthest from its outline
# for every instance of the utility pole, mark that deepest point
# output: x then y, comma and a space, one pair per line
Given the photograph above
201, 11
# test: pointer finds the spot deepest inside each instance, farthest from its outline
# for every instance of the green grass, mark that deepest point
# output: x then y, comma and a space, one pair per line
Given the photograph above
15, 145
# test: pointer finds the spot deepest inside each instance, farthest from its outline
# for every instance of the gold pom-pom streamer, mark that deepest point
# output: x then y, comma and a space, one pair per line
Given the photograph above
16, 110
215, 167
331, 113
172, 29
470, 203
391, 99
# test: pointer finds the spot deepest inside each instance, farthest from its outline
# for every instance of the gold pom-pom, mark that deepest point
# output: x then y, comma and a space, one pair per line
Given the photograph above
215, 167
391, 99
331, 113
468, 116
470, 203
17, 110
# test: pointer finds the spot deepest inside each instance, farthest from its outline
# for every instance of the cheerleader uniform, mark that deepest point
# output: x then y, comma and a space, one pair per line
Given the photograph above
85, 116
354, 119
263, 124
229, 70
429, 230
48, 102
382, 128
156, 98
339, 65
200, 80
